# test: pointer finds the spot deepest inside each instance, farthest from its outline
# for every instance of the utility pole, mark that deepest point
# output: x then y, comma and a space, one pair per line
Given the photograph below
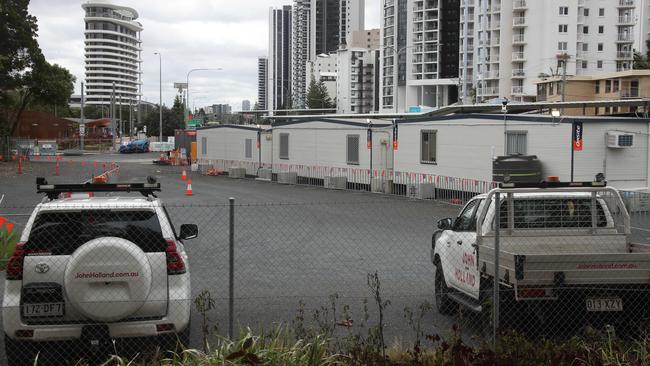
82, 127
564, 58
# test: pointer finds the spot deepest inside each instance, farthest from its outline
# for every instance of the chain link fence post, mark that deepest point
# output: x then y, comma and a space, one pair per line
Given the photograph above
231, 269
495, 281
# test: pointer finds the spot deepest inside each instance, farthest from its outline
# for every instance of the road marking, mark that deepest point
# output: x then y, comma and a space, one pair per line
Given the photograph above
638, 228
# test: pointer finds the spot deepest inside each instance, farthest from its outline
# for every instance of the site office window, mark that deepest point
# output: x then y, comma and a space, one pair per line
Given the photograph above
352, 149
428, 144
516, 142
284, 146
204, 145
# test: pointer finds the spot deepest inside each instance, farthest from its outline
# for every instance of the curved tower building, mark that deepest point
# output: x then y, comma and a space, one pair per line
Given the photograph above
112, 52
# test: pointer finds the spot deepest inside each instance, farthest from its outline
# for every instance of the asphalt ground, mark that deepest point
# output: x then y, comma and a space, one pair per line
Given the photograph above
293, 244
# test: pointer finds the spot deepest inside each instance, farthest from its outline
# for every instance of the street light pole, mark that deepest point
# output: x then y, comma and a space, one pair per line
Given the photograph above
113, 126
160, 136
187, 82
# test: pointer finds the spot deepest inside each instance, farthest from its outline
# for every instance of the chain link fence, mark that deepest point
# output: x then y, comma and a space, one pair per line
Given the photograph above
87, 280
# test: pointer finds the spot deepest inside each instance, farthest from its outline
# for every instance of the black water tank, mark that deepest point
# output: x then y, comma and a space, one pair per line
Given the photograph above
520, 168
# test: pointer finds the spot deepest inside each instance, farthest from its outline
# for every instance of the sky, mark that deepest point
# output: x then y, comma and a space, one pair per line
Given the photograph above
227, 34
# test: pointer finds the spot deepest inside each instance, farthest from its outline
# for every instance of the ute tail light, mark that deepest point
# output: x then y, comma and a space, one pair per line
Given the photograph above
15, 263
175, 263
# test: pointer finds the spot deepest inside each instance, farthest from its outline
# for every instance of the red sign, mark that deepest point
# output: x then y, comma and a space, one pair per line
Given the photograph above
578, 142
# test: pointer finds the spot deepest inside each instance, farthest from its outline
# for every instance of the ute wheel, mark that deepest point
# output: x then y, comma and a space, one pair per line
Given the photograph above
444, 304
19, 353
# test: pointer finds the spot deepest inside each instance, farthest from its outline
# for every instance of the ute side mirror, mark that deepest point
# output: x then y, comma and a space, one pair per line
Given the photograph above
189, 231
445, 224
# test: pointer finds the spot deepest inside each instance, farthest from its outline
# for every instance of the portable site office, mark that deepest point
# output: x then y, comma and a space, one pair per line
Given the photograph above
460, 149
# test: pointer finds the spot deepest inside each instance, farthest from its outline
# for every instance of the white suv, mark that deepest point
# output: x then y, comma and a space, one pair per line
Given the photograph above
92, 270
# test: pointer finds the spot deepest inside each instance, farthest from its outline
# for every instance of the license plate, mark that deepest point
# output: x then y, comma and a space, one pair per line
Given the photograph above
43, 309
609, 304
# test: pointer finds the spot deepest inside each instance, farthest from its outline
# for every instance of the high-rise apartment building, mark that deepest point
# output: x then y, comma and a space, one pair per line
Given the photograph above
357, 81
246, 105
368, 39
112, 53
300, 51
508, 44
320, 27
332, 23
279, 61
419, 53
262, 79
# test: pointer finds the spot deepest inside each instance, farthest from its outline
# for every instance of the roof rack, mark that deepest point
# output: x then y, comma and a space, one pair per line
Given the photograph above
54, 190
545, 184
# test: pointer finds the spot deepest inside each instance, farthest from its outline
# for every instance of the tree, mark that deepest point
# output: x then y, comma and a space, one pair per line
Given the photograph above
172, 119
26, 78
642, 62
318, 96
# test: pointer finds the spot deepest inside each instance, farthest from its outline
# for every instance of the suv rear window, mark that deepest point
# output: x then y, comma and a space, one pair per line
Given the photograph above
552, 213
62, 232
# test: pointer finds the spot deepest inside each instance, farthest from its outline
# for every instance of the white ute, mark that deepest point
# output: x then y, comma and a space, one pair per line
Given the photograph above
564, 254
91, 270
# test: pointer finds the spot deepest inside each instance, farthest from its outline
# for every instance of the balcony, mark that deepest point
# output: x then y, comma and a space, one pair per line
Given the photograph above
518, 56
518, 73
495, 9
519, 4
629, 20
517, 90
626, 3
629, 93
518, 38
492, 74
624, 55
624, 37
488, 91
519, 22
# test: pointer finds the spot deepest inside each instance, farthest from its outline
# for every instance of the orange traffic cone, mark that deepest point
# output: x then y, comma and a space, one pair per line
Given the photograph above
184, 175
188, 191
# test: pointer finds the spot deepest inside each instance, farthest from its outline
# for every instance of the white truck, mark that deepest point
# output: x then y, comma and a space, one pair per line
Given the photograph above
562, 249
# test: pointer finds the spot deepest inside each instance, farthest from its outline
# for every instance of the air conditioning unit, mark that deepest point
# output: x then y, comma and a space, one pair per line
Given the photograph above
237, 173
287, 178
619, 140
421, 191
265, 174
336, 182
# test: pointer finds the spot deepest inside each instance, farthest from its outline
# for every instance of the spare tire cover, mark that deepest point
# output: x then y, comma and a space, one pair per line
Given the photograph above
108, 279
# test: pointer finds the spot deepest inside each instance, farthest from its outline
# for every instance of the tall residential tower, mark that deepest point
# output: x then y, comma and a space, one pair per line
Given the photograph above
112, 52
508, 44
419, 53
279, 61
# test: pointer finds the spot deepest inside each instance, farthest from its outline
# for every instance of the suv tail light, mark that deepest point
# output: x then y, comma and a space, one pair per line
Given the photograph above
15, 263
175, 264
